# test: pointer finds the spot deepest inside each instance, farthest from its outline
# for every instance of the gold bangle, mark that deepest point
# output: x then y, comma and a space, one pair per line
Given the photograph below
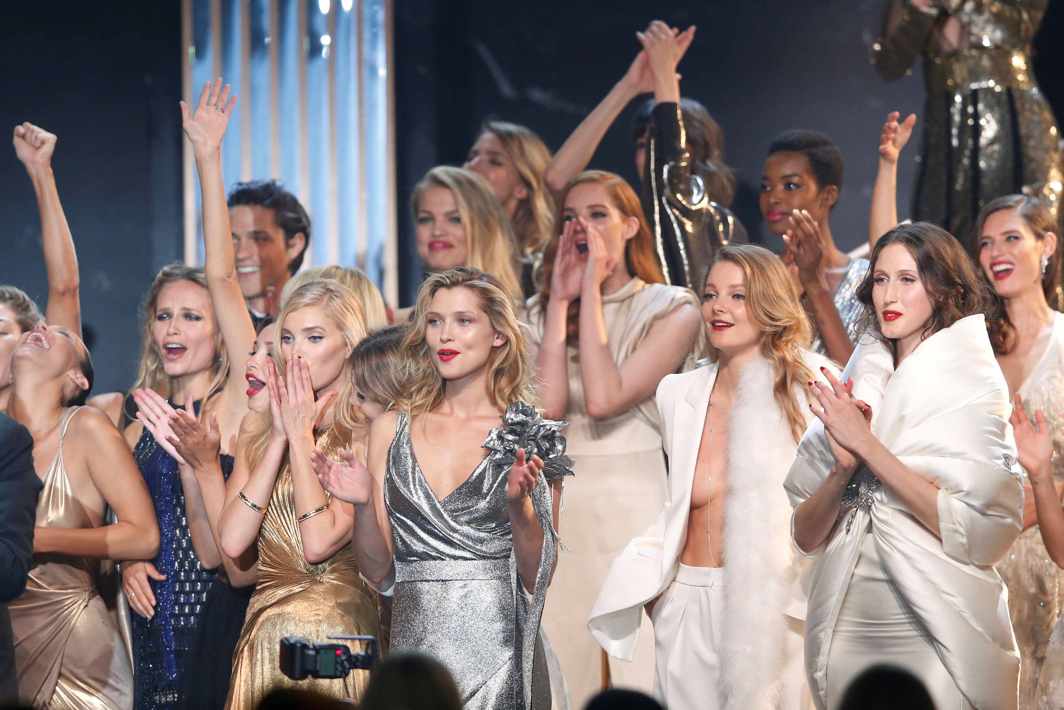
250, 503
311, 513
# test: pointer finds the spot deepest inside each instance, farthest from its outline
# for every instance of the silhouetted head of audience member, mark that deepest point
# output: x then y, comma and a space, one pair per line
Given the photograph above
885, 687
410, 681
618, 699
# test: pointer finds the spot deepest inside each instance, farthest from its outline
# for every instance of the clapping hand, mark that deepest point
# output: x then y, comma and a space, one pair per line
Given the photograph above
523, 476
1033, 441
895, 136
847, 420
197, 444
155, 413
34, 146
206, 126
804, 248
349, 479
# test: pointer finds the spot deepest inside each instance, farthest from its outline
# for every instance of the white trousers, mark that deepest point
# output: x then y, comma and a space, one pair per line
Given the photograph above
688, 618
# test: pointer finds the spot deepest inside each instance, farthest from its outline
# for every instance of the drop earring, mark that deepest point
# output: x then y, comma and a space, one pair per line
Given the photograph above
1045, 263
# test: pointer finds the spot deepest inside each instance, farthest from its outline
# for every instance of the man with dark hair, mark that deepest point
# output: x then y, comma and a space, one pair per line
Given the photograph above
271, 232
19, 488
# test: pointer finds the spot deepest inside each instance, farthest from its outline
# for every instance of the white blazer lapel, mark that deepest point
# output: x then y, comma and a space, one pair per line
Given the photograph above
689, 417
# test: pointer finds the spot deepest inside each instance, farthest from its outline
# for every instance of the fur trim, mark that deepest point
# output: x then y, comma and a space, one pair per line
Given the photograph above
759, 571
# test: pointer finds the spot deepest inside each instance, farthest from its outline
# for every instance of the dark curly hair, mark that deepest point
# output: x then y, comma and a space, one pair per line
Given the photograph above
289, 214
948, 275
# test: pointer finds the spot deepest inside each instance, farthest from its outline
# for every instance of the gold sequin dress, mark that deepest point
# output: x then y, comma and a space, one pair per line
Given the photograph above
988, 131
295, 598
1036, 584
68, 652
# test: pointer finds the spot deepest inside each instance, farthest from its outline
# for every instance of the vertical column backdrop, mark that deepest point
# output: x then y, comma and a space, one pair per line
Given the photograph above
316, 112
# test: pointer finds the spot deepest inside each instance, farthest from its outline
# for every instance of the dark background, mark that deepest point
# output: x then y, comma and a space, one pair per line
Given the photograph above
106, 78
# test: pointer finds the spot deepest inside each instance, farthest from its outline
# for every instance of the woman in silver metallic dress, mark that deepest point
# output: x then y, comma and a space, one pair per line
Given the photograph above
455, 515
988, 131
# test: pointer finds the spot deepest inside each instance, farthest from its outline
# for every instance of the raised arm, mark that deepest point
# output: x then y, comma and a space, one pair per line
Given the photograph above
552, 359
100, 449
579, 148
805, 248
34, 147
883, 214
609, 388
205, 129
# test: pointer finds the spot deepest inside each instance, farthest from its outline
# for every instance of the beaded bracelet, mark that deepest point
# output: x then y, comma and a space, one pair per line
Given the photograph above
250, 503
311, 513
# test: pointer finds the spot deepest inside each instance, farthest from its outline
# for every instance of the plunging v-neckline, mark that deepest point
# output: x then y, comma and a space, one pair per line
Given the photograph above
425, 479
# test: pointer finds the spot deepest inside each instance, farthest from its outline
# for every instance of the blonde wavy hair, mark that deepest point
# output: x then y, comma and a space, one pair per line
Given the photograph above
343, 307
773, 303
150, 372
533, 220
490, 242
509, 371
355, 279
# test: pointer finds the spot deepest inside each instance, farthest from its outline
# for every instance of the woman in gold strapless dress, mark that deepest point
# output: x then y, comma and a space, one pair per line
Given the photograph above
309, 583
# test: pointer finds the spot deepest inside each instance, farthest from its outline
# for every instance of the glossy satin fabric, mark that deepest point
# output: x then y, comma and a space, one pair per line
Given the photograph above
988, 131
875, 627
618, 490
68, 651
457, 594
295, 598
944, 414
688, 222
1036, 584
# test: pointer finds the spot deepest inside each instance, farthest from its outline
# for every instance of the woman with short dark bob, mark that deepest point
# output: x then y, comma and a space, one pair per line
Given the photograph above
906, 488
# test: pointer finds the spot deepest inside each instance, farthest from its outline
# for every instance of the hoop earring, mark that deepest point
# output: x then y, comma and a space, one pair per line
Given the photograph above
1045, 263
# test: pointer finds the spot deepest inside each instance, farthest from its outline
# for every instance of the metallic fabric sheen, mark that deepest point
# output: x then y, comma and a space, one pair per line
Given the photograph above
68, 652
988, 131
688, 225
1036, 584
458, 595
851, 311
296, 598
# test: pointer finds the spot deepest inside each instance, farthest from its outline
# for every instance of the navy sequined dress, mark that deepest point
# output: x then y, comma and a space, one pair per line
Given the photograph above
162, 644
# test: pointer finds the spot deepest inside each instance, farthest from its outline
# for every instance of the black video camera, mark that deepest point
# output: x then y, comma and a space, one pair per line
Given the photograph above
302, 659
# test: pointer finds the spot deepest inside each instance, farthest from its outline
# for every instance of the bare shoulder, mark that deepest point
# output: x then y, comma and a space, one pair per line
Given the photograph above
91, 422
383, 428
110, 403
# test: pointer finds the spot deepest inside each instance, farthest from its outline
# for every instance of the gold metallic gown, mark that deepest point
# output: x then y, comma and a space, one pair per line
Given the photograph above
988, 131
1036, 584
295, 598
68, 651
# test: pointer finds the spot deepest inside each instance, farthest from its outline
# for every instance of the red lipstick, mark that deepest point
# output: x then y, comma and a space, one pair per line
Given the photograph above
889, 316
446, 355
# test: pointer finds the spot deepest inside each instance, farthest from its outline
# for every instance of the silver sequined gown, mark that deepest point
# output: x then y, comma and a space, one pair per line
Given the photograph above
457, 593
1036, 585
851, 311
